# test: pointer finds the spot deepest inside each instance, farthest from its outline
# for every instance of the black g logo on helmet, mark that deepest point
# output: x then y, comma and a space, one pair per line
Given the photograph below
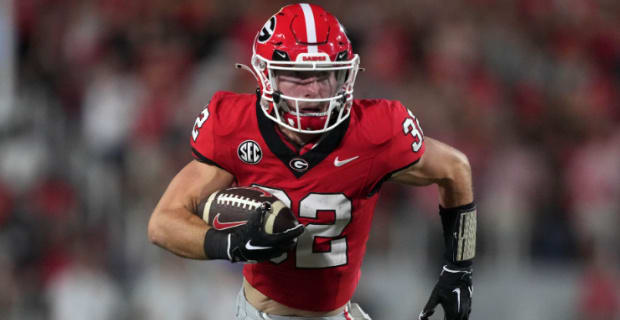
267, 31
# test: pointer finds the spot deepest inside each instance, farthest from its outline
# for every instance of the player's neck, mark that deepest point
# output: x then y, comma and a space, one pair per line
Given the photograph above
300, 139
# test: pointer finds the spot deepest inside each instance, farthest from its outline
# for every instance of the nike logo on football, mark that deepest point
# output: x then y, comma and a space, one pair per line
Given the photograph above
458, 299
217, 224
340, 163
250, 246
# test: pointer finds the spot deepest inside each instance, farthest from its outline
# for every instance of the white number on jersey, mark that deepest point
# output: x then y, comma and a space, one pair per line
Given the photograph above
200, 120
309, 207
411, 126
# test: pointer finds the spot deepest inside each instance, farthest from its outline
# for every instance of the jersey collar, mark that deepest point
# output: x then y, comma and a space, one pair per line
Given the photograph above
312, 157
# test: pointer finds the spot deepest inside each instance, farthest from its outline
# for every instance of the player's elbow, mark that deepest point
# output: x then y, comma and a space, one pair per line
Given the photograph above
156, 231
462, 164
459, 167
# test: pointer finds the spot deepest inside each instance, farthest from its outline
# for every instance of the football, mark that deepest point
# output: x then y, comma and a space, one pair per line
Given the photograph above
230, 208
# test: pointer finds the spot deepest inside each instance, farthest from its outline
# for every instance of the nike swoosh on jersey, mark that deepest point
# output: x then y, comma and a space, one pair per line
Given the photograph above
340, 163
250, 246
217, 224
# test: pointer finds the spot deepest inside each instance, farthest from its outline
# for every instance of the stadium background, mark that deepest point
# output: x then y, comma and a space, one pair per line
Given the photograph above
97, 99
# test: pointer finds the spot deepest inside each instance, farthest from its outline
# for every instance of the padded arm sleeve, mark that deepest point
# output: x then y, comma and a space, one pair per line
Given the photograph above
459, 231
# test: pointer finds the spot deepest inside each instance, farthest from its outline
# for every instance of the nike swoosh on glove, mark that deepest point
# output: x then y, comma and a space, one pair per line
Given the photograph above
453, 291
251, 243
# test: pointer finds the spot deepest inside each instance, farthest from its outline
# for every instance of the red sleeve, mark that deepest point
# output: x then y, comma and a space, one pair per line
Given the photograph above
204, 136
404, 147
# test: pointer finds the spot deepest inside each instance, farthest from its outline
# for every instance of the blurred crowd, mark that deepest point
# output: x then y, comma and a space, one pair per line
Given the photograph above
106, 92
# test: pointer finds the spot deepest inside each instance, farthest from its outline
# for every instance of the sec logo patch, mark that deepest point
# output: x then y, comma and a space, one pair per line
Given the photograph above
249, 152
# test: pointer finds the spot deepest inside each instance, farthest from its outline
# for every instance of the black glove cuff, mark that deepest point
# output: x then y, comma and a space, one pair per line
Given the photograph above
216, 244
459, 231
452, 277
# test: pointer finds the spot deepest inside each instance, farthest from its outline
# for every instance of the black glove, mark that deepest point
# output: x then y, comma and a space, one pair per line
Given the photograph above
250, 242
453, 291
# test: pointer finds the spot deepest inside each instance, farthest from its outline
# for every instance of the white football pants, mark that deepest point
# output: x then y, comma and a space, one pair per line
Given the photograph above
245, 311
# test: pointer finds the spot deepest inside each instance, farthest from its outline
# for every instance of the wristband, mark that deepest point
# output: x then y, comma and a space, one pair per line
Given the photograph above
459, 231
217, 244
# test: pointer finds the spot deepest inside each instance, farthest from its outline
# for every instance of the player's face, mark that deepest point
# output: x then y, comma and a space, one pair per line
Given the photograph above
308, 84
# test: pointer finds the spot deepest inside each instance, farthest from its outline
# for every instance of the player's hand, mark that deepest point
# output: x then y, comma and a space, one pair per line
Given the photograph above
453, 291
251, 243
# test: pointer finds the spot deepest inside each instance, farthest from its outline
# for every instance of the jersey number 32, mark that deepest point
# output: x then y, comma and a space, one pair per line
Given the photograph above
309, 207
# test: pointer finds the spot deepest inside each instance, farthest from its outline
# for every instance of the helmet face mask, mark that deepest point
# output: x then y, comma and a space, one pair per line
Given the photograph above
305, 40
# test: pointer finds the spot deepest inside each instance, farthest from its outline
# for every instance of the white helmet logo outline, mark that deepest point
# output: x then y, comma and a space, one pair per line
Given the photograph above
267, 31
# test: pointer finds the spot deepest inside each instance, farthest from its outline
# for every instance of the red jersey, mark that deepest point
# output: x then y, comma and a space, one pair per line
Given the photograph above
331, 188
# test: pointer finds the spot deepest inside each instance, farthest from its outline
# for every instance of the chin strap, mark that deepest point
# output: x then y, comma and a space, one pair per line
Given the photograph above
248, 69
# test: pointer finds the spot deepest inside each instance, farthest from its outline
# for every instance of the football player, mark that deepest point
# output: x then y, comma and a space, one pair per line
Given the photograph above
303, 138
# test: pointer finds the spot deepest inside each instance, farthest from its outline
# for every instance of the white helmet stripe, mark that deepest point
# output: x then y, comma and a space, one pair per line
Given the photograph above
310, 27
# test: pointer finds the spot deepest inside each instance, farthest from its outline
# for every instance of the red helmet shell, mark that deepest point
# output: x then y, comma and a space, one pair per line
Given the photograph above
302, 29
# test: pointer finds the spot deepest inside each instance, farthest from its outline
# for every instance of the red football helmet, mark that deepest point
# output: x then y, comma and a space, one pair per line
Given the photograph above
304, 37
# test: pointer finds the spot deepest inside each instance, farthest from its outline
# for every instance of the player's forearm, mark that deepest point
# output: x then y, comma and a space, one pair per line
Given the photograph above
458, 212
173, 225
179, 231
